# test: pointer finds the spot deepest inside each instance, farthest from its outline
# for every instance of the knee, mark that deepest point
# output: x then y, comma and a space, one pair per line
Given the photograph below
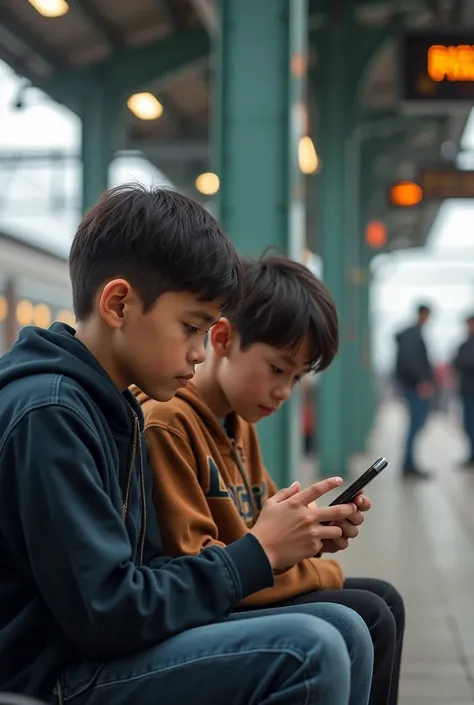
327, 656
394, 601
380, 618
355, 632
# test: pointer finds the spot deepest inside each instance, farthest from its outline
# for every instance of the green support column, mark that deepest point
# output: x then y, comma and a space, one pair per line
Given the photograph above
260, 85
332, 131
351, 323
363, 406
339, 82
99, 115
367, 377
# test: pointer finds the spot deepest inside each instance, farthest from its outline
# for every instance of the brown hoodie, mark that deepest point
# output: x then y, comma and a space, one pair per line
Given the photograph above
209, 489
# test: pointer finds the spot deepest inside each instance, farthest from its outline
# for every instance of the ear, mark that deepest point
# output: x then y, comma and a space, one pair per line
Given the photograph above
116, 297
222, 336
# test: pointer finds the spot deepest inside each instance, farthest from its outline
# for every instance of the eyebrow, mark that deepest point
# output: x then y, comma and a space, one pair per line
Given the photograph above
203, 316
288, 360
292, 363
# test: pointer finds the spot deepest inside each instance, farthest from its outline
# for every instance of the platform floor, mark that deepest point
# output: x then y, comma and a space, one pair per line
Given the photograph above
420, 536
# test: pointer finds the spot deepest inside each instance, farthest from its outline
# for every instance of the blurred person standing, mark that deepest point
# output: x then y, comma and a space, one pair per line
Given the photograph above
464, 365
415, 376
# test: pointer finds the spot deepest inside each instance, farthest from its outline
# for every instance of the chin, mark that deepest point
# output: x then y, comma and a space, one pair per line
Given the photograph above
160, 393
249, 417
165, 395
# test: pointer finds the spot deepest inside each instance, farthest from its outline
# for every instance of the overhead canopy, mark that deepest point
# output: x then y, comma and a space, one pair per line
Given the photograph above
163, 46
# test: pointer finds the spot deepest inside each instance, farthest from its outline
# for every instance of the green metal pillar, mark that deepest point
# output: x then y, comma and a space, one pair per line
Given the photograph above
99, 115
363, 406
345, 50
332, 131
365, 201
261, 72
367, 369
353, 271
362, 397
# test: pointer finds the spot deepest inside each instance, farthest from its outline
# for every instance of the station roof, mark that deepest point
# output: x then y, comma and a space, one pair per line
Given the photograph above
164, 46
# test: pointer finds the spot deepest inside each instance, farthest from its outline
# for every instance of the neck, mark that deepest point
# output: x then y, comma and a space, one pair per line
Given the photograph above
206, 382
90, 334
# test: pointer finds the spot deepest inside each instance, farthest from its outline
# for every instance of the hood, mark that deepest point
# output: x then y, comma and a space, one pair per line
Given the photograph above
56, 350
191, 396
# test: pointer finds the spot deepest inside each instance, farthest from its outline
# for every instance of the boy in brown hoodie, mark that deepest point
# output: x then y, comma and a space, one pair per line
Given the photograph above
210, 480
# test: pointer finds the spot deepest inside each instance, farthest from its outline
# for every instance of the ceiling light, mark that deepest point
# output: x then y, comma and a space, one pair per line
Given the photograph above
50, 8
145, 106
207, 183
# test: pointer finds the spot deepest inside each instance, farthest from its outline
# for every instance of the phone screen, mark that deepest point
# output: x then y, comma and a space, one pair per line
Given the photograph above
358, 485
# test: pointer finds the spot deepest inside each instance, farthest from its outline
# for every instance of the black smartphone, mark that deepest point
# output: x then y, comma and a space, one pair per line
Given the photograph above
358, 485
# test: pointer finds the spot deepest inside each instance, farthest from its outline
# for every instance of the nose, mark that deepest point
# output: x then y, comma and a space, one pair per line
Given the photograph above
283, 392
198, 354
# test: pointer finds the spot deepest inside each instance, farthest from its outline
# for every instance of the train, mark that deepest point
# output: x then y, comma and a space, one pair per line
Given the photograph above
35, 288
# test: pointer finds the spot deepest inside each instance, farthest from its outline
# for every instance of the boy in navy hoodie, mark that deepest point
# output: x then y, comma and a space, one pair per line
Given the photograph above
91, 611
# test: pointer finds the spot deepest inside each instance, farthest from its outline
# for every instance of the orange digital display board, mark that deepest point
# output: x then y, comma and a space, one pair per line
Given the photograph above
436, 183
451, 63
444, 182
437, 67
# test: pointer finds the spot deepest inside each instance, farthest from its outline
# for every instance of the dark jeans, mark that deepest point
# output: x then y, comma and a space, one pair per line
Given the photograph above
311, 654
468, 419
382, 609
418, 409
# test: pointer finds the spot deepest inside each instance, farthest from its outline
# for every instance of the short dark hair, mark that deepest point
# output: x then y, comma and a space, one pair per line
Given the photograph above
157, 239
423, 309
284, 303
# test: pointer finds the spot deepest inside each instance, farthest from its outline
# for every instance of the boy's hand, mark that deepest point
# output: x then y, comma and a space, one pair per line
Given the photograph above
349, 527
289, 526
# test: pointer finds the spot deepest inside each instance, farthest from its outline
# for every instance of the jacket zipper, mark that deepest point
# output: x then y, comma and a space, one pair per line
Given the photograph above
136, 442
136, 446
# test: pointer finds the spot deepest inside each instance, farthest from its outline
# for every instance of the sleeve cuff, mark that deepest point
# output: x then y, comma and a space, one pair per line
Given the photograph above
252, 565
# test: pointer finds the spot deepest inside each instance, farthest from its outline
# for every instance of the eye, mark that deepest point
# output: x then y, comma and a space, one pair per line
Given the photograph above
276, 370
191, 330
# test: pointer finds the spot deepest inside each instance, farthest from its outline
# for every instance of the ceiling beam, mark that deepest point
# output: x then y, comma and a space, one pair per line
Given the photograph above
172, 150
173, 16
31, 40
131, 69
179, 150
206, 11
109, 32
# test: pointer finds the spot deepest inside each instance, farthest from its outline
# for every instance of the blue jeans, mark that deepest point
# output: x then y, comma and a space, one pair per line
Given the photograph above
418, 409
318, 654
468, 419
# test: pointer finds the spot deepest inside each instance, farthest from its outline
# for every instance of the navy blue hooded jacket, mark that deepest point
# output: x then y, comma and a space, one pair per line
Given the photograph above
81, 570
412, 364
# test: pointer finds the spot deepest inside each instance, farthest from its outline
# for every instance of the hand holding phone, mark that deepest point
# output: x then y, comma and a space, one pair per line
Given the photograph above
349, 495
358, 485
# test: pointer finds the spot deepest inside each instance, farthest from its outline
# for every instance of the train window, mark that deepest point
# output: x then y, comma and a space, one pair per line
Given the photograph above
42, 316
24, 312
3, 308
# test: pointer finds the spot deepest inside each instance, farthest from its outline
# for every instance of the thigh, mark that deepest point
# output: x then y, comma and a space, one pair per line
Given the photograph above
366, 604
228, 662
377, 602
348, 622
386, 592
334, 610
